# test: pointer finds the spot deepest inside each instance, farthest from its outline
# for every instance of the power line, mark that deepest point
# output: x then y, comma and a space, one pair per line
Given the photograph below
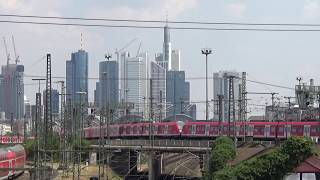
159, 21
187, 78
158, 27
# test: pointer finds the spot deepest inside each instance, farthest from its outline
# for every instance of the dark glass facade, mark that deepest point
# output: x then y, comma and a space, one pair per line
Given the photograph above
77, 77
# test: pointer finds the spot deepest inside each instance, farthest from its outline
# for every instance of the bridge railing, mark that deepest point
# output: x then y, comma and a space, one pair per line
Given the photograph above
162, 143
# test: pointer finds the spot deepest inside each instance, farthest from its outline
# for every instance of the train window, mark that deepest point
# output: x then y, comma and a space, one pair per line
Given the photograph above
280, 129
207, 128
202, 127
273, 129
307, 129
300, 130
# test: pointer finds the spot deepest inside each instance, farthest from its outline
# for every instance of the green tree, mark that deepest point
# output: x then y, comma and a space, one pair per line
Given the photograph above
273, 165
223, 151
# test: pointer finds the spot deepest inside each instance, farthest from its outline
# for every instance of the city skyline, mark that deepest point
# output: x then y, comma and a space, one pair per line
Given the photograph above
252, 52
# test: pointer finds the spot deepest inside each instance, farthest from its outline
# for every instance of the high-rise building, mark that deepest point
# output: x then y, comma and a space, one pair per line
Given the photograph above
186, 89
27, 108
54, 101
158, 90
96, 94
167, 48
122, 61
221, 87
77, 77
137, 83
175, 92
12, 91
175, 60
108, 84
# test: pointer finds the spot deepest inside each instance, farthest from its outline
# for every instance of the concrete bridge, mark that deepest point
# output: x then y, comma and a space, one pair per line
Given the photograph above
155, 151
163, 153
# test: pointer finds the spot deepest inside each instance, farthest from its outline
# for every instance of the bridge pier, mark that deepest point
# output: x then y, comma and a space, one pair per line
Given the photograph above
204, 160
155, 165
133, 162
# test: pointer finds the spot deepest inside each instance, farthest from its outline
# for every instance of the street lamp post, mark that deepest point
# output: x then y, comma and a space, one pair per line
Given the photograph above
206, 51
80, 131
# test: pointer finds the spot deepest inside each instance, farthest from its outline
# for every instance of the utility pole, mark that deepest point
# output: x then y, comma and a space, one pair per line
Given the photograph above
272, 99
220, 112
289, 104
231, 105
47, 126
160, 114
206, 52
244, 95
63, 132
79, 132
37, 123
101, 140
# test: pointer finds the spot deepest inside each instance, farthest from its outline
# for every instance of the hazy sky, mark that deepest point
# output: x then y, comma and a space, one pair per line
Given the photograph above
273, 57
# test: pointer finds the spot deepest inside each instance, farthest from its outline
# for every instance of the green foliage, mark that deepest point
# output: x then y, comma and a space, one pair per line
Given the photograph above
222, 152
29, 146
270, 166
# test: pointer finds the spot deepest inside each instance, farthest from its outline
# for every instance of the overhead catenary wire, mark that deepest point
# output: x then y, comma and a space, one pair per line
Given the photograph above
159, 21
187, 78
157, 27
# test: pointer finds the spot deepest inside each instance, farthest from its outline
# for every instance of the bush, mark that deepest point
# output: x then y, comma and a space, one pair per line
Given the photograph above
270, 166
223, 151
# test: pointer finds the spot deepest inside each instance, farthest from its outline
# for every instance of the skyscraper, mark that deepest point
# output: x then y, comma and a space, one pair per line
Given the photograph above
27, 108
137, 83
12, 91
54, 100
122, 61
221, 87
167, 48
77, 77
96, 94
175, 92
108, 84
158, 89
175, 60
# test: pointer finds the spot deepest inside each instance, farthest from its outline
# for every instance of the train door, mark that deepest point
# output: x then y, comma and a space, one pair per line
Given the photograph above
249, 130
166, 129
288, 130
306, 131
155, 129
207, 130
193, 129
267, 131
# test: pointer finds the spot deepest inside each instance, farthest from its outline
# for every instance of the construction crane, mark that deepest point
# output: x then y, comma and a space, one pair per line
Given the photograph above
118, 52
15, 52
138, 51
6, 49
